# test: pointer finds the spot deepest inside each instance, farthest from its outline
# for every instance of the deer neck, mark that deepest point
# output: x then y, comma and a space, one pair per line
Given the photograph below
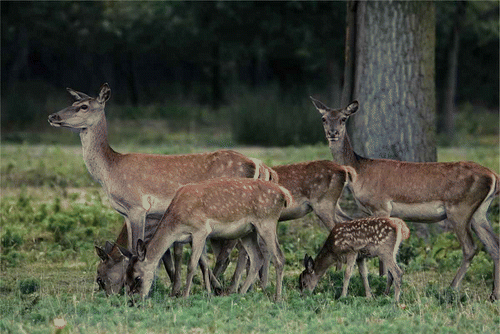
167, 232
97, 153
323, 261
342, 152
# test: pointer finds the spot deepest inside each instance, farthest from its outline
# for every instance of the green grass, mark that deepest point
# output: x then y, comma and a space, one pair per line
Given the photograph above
53, 213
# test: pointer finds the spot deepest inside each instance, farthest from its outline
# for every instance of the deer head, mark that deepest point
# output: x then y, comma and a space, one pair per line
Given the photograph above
334, 120
111, 269
84, 112
140, 273
308, 278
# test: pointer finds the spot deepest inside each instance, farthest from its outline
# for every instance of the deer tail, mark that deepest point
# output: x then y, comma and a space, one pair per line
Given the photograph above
258, 169
400, 225
402, 233
264, 172
288, 197
351, 174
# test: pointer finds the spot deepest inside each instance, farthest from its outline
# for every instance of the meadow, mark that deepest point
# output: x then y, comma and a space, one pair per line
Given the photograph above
53, 214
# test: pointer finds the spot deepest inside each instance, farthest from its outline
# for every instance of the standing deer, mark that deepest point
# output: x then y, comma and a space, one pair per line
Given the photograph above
460, 192
227, 208
140, 186
354, 241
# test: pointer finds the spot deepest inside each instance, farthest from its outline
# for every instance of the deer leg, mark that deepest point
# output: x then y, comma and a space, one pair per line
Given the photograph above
395, 273
363, 272
169, 264
136, 225
208, 277
350, 260
176, 284
267, 231
390, 280
222, 251
251, 246
240, 266
340, 215
264, 270
460, 220
198, 244
324, 209
490, 241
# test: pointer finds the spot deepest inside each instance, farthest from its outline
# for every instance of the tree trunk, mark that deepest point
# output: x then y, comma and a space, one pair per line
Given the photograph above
394, 80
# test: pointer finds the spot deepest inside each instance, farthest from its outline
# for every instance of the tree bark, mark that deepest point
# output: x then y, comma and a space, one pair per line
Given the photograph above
394, 80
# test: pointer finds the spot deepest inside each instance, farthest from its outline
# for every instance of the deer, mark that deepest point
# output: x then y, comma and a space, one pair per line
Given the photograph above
316, 186
355, 241
225, 208
140, 186
460, 192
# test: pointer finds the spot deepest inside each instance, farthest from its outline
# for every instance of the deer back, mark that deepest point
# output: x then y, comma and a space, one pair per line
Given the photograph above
364, 234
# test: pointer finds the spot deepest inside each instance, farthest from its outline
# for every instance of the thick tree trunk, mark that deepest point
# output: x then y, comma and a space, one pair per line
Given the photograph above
394, 80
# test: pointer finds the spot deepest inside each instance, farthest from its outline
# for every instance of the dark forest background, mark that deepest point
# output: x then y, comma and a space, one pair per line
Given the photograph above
236, 65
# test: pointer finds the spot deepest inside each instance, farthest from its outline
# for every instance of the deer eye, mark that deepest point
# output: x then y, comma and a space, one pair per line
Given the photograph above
342, 120
84, 107
323, 119
100, 282
137, 281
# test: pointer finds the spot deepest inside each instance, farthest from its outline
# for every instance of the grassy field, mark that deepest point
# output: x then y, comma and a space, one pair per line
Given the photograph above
53, 213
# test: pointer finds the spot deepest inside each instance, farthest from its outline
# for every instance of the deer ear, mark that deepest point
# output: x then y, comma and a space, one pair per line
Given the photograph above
320, 106
104, 94
141, 250
351, 108
78, 96
125, 252
308, 263
108, 247
102, 253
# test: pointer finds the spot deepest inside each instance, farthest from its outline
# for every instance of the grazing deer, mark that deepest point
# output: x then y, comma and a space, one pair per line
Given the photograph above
227, 208
316, 186
354, 241
460, 192
140, 186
